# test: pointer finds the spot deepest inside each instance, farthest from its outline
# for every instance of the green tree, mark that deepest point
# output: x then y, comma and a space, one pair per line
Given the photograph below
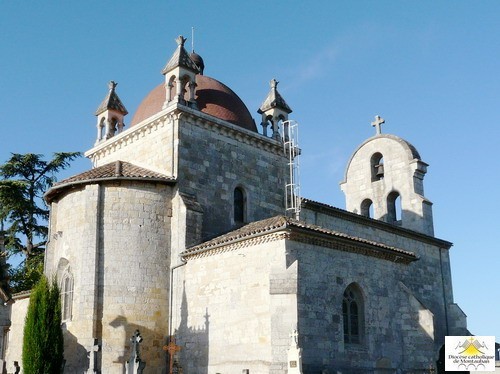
24, 179
43, 344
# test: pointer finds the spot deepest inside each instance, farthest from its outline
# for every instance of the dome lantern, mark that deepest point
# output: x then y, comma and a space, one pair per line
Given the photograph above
180, 76
274, 110
110, 115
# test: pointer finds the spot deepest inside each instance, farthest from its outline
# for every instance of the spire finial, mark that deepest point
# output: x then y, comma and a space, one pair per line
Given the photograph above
180, 40
112, 85
378, 121
274, 83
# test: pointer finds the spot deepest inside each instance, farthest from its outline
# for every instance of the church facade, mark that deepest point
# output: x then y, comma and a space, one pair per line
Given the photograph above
180, 230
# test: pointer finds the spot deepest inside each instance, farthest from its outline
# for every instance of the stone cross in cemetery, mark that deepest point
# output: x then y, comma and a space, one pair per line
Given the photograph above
377, 123
92, 354
171, 348
135, 365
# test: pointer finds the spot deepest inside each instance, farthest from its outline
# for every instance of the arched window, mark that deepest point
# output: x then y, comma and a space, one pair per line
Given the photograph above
171, 89
367, 208
377, 166
283, 128
185, 93
101, 129
267, 125
239, 205
111, 127
353, 314
67, 295
393, 207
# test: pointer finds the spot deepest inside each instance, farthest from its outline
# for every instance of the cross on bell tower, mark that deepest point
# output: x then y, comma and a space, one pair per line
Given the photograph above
377, 124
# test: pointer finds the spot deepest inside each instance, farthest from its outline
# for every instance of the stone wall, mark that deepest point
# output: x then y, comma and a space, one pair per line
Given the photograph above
14, 346
210, 158
394, 324
114, 240
213, 161
150, 145
403, 173
425, 284
429, 277
236, 310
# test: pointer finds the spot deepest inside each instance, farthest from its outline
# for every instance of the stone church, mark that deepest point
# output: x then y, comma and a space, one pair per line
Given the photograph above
181, 229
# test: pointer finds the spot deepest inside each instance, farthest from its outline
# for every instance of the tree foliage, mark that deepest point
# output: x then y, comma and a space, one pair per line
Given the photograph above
24, 179
24, 276
43, 344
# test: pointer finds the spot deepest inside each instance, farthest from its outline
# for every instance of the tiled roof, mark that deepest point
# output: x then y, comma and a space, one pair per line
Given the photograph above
258, 227
212, 97
281, 223
111, 101
274, 100
180, 58
113, 170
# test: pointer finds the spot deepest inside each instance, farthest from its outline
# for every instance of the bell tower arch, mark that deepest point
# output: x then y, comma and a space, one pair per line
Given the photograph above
274, 111
110, 115
180, 77
384, 180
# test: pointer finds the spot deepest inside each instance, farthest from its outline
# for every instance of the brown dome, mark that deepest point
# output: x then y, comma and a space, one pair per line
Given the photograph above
213, 98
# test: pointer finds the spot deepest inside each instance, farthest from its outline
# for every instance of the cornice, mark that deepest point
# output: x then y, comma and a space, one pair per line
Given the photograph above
306, 236
131, 135
345, 245
366, 221
231, 130
175, 112
244, 243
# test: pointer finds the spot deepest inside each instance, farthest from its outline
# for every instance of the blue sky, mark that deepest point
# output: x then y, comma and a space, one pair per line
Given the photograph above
430, 68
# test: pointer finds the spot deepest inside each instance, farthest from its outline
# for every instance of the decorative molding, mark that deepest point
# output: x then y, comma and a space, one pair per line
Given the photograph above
176, 113
332, 211
357, 247
256, 240
131, 135
302, 236
231, 130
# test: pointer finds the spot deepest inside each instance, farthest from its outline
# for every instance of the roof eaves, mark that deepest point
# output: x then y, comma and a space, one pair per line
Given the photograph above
337, 212
285, 223
56, 189
369, 244
227, 239
180, 58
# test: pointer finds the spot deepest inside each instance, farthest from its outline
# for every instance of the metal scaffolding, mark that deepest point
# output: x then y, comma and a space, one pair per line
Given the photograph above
290, 136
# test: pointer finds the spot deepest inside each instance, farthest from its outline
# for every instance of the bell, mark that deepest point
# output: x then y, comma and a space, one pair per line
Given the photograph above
380, 170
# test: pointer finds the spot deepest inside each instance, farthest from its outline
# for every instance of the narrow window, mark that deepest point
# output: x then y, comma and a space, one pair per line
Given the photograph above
239, 205
171, 89
393, 207
352, 314
101, 129
267, 126
377, 166
367, 208
67, 296
285, 126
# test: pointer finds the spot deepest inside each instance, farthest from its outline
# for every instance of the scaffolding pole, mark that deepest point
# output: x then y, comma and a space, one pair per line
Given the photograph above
290, 136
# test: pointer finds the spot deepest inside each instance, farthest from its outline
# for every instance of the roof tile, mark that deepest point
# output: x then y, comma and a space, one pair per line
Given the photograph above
180, 58
274, 100
114, 170
277, 222
111, 101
